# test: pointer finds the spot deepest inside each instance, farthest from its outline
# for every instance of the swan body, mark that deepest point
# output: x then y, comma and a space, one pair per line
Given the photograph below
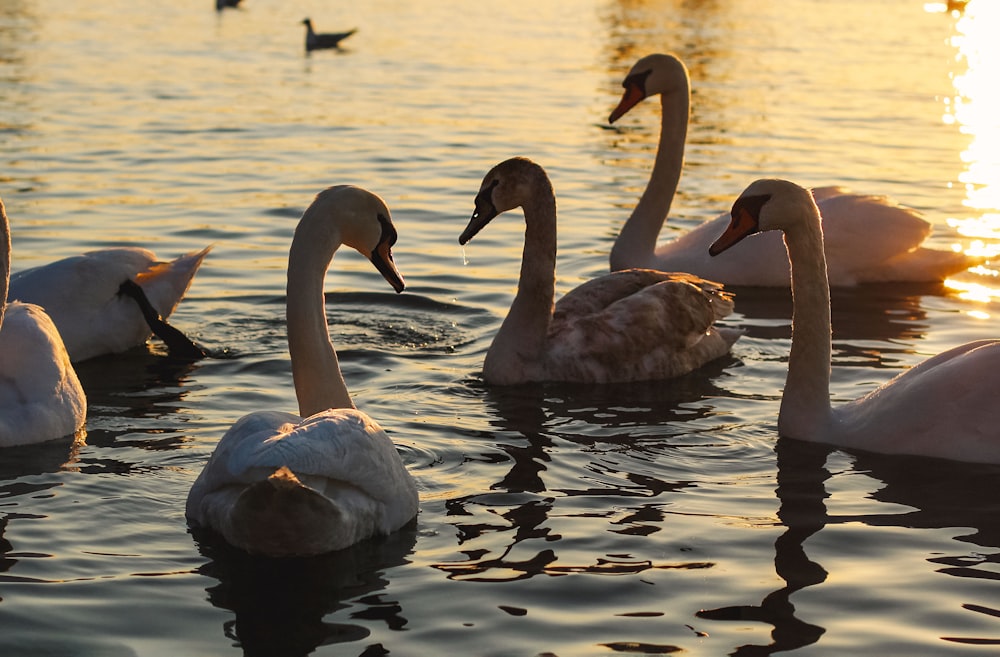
868, 238
630, 325
40, 395
281, 484
943, 407
81, 295
321, 40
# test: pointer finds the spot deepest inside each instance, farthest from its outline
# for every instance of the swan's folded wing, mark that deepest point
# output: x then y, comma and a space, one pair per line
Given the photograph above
597, 294
859, 228
342, 445
673, 314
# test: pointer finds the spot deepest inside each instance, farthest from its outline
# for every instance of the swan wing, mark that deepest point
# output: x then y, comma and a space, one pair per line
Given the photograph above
40, 395
597, 294
81, 295
640, 324
874, 239
336, 468
866, 238
943, 407
765, 264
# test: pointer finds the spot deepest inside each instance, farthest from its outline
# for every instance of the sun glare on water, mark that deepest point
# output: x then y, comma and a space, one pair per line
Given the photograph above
975, 109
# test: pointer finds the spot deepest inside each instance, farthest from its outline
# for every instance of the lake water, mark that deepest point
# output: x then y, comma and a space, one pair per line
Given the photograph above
653, 518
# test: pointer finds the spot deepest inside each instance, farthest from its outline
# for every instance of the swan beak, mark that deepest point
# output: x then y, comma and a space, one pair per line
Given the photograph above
745, 221
484, 213
382, 259
634, 93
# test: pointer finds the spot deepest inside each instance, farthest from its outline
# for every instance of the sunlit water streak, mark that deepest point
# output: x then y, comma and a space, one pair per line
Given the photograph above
570, 520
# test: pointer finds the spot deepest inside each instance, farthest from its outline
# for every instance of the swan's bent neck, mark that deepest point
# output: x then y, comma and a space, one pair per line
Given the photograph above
524, 330
637, 240
805, 404
319, 384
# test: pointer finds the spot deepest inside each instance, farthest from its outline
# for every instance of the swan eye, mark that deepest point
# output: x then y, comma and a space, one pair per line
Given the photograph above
637, 80
752, 205
484, 201
389, 235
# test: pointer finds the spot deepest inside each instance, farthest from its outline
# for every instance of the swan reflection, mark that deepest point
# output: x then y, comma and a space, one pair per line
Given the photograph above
609, 457
919, 493
281, 605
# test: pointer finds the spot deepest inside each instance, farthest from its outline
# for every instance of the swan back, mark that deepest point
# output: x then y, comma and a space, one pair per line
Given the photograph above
281, 485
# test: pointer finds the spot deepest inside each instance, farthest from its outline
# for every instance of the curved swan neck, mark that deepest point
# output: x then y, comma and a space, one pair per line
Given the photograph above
638, 236
526, 326
319, 384
805, 404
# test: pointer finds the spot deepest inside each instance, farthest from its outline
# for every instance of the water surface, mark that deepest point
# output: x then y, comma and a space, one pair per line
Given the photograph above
653, 518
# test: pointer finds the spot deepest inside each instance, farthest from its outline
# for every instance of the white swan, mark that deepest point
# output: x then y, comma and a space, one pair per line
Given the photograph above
40, 396
632, 325
868, 238
82, 295
944, 407
281, 484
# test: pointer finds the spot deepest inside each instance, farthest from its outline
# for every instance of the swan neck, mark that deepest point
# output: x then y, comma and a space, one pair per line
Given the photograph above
319, 384
526, 326
805, 404
637, 239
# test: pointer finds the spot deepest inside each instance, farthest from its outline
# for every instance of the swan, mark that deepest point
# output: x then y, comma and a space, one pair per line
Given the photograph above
631, 325
944, 406
40, 395
281, 484
868, 238
318, 41
84, 297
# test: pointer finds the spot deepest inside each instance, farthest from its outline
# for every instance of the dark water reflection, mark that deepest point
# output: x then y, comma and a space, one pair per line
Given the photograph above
280, 605
535, 422
801, 475
941, 494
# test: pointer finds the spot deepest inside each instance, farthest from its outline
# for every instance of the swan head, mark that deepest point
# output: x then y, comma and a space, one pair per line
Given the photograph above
366, 226
767, 204
507, 186
651, 75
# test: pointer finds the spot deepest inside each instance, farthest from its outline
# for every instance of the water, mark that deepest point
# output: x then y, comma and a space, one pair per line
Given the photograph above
565, 520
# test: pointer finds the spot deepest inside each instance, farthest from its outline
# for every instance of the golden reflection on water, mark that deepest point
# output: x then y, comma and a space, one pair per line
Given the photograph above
975, 108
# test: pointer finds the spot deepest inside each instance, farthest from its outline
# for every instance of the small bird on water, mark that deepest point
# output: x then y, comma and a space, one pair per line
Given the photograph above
322, 40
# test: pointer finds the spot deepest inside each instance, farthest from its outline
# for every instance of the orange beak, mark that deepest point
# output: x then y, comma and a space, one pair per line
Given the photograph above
634, 93
743, 223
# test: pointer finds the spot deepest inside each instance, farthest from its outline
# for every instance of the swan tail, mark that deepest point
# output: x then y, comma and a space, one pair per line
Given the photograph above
166, 283
729, 335
281, 517
921, 266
